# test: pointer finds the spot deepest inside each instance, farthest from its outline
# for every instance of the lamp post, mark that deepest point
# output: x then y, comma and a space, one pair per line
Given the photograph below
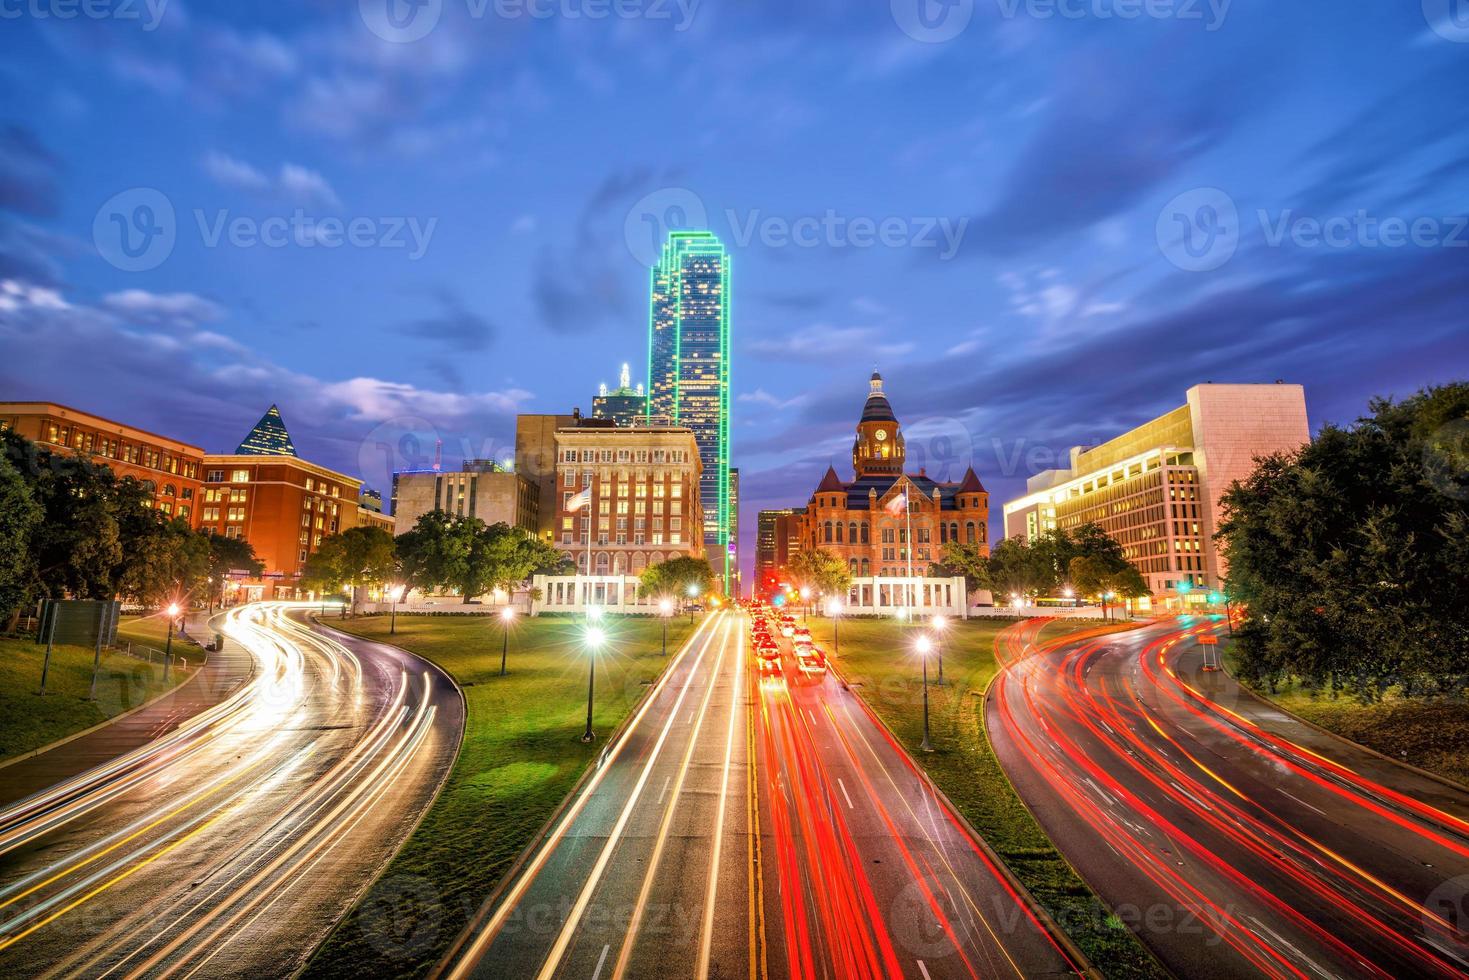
924, 646
665, 610
173, 611
939, 625
394, 594
806, 602
1069, 595
506, 615
593, 638
1106, 597
693, 594
834, 610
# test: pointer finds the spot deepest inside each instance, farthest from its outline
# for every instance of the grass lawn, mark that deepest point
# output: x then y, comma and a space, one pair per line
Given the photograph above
1431, 734
29, 721
872, 656
152, 631
521, 756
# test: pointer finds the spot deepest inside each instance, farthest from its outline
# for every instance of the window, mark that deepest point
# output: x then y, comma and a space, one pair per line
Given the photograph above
211, 476
239, 476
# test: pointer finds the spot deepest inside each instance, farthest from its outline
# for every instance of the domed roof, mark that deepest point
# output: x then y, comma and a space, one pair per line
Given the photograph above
877, 408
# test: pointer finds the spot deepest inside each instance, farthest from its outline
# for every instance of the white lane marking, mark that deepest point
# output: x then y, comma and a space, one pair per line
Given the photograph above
600, 960
845, 794
1304, 803
666, 780
921, 969
706, 939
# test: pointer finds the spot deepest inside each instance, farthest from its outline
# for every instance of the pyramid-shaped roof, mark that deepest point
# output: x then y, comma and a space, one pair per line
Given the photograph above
830, 483
268, 438
971, 482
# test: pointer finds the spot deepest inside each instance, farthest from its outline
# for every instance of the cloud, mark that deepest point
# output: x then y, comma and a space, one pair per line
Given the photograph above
28, 173
762, 397
293, 183
174, 310
824, 341
455, 327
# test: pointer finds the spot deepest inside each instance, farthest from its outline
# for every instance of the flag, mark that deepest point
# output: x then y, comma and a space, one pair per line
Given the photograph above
898, 504
580, 500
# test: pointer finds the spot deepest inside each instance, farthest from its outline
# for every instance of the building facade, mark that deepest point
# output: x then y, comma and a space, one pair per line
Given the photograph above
736, 586
644, 501
486, 491
688, 366
885, 522
282, 504
1156, 489
624, 405
535, 459
171, 470
777, 537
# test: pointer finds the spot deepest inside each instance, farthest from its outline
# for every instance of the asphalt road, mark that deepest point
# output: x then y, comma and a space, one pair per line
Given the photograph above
1233, 840
644, 873
231, 843
865, 871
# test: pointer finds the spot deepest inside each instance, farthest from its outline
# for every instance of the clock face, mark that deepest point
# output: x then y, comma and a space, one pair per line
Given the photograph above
881, 434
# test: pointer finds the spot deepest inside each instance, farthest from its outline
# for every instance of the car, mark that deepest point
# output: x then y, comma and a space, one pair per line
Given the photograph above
787, 630
769, 662
811, 661
802, 634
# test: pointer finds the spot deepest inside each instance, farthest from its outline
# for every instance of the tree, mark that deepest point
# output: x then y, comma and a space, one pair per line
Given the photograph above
19, 515
166, 562
226, 555
1348, 555
434, 554
968, 560
820, 571
674, 577
465, 554
1015, 569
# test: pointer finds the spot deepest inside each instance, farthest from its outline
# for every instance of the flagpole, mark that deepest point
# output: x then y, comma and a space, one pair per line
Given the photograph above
908, 515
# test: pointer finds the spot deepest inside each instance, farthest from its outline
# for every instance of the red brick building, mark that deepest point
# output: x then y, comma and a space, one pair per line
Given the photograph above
867, 521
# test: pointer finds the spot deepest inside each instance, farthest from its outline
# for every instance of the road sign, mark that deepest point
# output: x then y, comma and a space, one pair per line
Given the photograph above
1209, 640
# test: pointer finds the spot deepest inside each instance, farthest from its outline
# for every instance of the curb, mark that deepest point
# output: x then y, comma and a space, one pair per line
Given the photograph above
491, 901
1055, 932
1453, 784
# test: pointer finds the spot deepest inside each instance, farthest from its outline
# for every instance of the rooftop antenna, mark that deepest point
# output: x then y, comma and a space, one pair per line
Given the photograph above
438, 454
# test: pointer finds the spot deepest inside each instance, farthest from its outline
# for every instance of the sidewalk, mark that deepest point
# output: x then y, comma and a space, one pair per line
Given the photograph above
221, 675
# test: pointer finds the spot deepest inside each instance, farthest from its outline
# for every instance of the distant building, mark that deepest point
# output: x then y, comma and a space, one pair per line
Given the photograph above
483, 489
777, 537
868, 521
282, 504
688, 366
535, 459
370, 500
171, 470
1156, 489
736, 583
644, 503
624, 405
370, 517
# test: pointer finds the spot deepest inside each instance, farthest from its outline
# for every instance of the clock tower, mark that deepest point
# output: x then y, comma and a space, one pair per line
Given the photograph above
878, 449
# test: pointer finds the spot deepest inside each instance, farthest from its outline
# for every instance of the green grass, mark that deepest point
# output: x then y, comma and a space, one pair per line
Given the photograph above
1430, 733
520, 758
874, 656
29, 721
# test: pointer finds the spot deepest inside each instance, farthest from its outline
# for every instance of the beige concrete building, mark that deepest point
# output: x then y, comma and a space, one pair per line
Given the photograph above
1156, 489
535, 459
485, 491
644, 507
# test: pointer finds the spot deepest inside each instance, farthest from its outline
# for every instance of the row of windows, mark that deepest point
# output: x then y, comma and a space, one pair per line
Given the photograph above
857, 532
638, 537
623, 456
109, 447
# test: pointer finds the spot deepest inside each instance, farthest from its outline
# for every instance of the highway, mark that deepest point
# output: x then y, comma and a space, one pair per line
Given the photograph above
644, 873
1235, 841
230, 844
865, 871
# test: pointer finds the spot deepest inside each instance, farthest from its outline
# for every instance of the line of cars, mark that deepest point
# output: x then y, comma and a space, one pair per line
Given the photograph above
767, 627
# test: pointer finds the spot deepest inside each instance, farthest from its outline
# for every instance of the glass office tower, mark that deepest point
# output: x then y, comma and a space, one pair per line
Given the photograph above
688, 368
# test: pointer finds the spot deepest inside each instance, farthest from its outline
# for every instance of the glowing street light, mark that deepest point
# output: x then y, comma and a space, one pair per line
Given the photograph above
925, 645
593, 638
693, 594
834, 610
665, 610
395, 594
1068, 594
173, 614
939, 624
506, 616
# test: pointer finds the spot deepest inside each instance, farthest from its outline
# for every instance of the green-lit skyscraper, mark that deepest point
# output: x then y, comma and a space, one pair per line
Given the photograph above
688, 367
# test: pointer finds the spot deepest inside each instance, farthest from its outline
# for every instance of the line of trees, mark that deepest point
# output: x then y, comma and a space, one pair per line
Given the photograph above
678, 578
69, 526
1085, 560
1351, 556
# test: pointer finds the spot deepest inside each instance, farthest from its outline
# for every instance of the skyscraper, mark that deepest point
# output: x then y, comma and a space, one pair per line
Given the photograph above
688, 367
625, 405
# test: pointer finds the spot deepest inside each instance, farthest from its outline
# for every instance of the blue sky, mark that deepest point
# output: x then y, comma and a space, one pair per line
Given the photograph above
1041, 220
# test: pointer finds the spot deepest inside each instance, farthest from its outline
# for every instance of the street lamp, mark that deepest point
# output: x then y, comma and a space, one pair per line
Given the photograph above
1106, 598
665, 610
924, 646
834, 610
594, 637
506, 615
1068, 593
394, 594
693, 594
939, 625
173, 612
806, 601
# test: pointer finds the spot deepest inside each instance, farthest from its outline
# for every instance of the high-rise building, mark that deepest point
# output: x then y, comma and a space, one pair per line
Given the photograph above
1156, 489
535, 459
736, 581
777, 537
624, 405
482, 489
268, 438
688, 367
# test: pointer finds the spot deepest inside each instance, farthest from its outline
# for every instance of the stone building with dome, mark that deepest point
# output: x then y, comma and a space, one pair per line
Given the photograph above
867, 520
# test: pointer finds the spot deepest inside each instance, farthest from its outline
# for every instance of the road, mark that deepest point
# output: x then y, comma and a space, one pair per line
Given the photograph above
232, 843
1235, 841
865, 871
645, 872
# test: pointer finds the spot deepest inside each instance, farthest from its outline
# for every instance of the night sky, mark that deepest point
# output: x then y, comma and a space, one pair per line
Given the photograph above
1041, 221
